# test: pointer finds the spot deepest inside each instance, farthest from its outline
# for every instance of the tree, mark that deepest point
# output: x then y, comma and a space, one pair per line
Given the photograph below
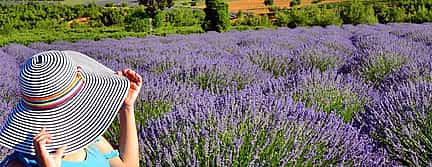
422, 15
154, 5
358, 13
268, 2
217, 17
295, 3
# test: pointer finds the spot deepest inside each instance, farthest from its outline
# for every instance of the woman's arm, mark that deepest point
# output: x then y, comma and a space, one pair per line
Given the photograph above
129, 153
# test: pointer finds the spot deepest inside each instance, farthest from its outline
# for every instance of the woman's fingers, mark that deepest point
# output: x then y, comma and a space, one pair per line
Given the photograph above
131, 75
46, 135
60, 151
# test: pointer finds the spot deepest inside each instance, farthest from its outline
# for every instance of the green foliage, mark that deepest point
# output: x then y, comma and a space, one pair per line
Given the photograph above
124, 4
422, 15
330, 97
268, 2
358, 13
324, 17
112, 16
307, 16
320, 62
217, 17
159, 19
109, 4
153, 5
295, 3
298, 17
277, 65
183, 17
140, 25
252, 20
7, 30
379, 66
387, 14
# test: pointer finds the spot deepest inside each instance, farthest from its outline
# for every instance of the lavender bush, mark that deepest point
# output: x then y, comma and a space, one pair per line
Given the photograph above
250, 129
402, 121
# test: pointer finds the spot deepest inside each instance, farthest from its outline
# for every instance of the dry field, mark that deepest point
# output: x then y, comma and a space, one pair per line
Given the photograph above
258, 7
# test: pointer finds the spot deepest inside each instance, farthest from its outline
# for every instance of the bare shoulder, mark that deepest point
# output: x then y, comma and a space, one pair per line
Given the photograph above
15, 163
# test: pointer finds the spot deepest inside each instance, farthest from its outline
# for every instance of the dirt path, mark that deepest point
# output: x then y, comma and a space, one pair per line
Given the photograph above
79, 20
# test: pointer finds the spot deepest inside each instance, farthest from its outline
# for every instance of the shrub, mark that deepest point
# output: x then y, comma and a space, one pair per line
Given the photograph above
124, 4
182, 17
358, 13
140, 25
295, 3
422, 15
401, 120
325, 17
217, 17
112, 16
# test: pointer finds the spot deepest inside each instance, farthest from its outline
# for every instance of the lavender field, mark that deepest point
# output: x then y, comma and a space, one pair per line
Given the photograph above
336, 96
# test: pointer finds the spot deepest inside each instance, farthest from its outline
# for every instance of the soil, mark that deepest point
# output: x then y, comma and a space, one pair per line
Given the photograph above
258, 7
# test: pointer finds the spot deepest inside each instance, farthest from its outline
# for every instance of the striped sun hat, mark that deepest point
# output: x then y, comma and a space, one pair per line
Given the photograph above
71, 95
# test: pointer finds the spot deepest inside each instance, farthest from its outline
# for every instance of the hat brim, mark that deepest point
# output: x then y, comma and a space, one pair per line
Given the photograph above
76, 123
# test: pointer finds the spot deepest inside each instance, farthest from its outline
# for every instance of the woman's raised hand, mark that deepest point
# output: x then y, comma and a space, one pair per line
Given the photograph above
135, 86
45, 158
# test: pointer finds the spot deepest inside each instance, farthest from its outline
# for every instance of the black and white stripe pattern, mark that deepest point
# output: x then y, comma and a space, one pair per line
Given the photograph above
75, 123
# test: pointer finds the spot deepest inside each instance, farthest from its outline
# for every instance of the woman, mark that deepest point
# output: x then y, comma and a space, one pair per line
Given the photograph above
68, 101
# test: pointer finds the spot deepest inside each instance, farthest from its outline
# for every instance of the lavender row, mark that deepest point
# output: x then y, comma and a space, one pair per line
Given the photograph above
251, 129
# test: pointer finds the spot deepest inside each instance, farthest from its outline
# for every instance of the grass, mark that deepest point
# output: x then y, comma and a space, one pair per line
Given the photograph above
27, 37
69, 34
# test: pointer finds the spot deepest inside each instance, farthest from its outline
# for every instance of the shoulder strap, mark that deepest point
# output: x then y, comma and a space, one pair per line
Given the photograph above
26, 160
109, 155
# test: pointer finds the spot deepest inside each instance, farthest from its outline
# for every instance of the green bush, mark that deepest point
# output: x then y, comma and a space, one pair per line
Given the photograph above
322, 16
160, 19
124, 4
358, 13
217, 17
7, 29
140, 25
112, 16
388, 14
422, 15
182, 17
295, 3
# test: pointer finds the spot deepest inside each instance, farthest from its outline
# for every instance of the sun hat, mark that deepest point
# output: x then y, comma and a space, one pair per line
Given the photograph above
74, 97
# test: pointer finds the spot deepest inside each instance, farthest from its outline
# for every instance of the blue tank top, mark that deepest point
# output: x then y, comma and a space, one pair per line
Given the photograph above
93, 158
